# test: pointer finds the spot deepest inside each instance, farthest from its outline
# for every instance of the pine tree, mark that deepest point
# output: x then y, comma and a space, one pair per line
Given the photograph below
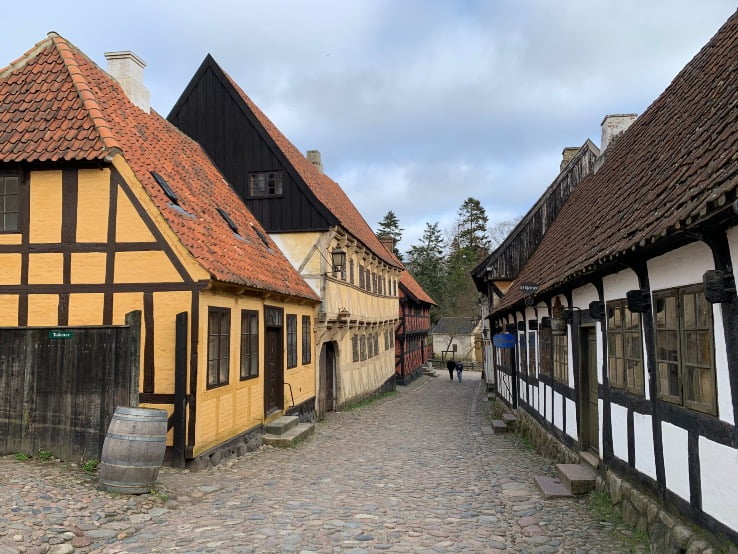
390, 226
426, 262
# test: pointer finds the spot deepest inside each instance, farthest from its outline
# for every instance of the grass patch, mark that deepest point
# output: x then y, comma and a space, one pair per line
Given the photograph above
45, 455
90, 466
368, 400
603, 508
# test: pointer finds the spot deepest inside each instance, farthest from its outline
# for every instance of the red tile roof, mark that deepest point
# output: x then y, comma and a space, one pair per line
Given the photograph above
326, 190
675, 167
408, 282
56, 104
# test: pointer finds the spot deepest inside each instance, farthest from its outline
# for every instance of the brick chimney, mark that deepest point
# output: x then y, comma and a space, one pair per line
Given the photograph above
127, 68
613, 126
313, 157
387, 241
567, 155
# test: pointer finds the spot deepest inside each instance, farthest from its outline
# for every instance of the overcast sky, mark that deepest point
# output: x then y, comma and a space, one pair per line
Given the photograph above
415, 105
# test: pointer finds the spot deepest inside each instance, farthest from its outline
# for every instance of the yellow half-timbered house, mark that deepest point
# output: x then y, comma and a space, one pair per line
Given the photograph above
107, 209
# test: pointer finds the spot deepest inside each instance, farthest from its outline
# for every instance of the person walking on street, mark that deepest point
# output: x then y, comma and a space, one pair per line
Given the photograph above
459, 369
451, 365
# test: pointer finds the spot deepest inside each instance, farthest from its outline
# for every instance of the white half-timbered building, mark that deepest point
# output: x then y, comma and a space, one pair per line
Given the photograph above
626, 313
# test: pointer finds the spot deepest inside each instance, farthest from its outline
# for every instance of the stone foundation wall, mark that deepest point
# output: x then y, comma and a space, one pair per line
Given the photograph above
667, 533
238, 446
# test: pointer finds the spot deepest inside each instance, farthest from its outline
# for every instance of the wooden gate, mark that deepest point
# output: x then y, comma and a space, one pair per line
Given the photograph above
59, 386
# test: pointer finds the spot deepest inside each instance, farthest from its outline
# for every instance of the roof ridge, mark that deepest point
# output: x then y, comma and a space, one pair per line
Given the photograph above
94, 111
25, 58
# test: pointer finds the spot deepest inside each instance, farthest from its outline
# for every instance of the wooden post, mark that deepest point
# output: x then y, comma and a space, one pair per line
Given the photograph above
133, 321
180, 391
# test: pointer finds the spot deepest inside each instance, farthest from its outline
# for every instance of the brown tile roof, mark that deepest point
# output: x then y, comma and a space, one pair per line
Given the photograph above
673, 168
56, 104
325, 189
408, 282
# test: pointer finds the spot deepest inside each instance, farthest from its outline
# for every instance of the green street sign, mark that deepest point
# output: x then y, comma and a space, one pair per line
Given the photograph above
61, 334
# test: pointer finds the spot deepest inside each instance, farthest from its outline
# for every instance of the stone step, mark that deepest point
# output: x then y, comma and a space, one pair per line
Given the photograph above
281, 425
509, 419
578, 478
590, 458
551, 488
499, 426
291, 436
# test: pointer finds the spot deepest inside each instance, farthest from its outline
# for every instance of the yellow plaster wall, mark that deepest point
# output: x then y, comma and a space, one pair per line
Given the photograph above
10, 269
166, 307
298, 248
45, 269
93, 205
191, 265
43, 310
8, 310
86, 309
145, 267
11, 238
46, 206
88, 267
125, 302
226, 411
129, 227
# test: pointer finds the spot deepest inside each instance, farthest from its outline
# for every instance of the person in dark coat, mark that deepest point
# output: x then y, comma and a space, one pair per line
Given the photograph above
451, 365
459, 369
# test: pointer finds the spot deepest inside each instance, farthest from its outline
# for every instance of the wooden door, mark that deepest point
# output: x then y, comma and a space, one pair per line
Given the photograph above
327, 367
273, 370
590, 423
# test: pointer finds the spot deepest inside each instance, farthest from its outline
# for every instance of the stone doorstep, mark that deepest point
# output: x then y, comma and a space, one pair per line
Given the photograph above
578, 478
590, 459
294, 434
551, 488
281, 425
509, 418
499, 426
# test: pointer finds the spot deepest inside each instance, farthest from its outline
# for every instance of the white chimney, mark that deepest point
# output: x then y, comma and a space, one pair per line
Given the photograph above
127, 68
613, 126
313, 157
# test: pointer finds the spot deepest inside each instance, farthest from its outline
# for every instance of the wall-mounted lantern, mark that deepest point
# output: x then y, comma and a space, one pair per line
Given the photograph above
719, 286
343, 313
338, 259
639, 301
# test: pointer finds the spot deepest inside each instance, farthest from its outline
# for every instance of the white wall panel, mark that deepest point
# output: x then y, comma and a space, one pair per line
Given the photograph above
676, 461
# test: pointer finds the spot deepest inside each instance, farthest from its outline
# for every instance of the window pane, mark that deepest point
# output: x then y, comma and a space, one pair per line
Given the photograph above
689, 351
11, 203
666, 313
704, 311
213, 372
11, 185
633, 321
11, 222
666, 346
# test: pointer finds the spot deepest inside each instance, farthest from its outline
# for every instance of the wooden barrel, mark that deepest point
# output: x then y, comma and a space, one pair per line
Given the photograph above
133, 450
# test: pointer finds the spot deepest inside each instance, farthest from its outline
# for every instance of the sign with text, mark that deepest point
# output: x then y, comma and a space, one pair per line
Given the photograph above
528, 288
504, 340
61, 334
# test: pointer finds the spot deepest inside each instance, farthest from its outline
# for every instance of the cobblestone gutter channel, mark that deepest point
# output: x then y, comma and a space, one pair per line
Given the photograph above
667, 533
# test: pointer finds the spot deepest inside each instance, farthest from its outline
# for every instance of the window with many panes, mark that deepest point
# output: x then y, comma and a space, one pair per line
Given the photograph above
685, 359
219, 340
362, 347
265, 183
532, 354
624, 347
249, 344
355, 347
545, 351
307, 342
376, 344
291, 340
561, 358
9, 204
351, 271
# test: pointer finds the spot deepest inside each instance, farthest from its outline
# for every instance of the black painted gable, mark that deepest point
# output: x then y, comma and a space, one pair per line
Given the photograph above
214, 114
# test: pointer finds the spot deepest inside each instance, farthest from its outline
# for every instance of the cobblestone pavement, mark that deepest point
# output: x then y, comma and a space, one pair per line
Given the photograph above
414, 471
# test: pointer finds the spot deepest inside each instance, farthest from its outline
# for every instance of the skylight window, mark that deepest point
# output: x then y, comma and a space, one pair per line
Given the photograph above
165, 187
261, 235
227, 219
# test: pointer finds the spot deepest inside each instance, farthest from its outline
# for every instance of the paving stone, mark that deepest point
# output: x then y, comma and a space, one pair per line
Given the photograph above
367, 481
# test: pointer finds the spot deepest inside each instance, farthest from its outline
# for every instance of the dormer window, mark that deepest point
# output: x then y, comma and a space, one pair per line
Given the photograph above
265, 183
9, 211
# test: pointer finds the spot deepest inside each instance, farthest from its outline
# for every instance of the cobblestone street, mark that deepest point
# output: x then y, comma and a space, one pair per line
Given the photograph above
414, 471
